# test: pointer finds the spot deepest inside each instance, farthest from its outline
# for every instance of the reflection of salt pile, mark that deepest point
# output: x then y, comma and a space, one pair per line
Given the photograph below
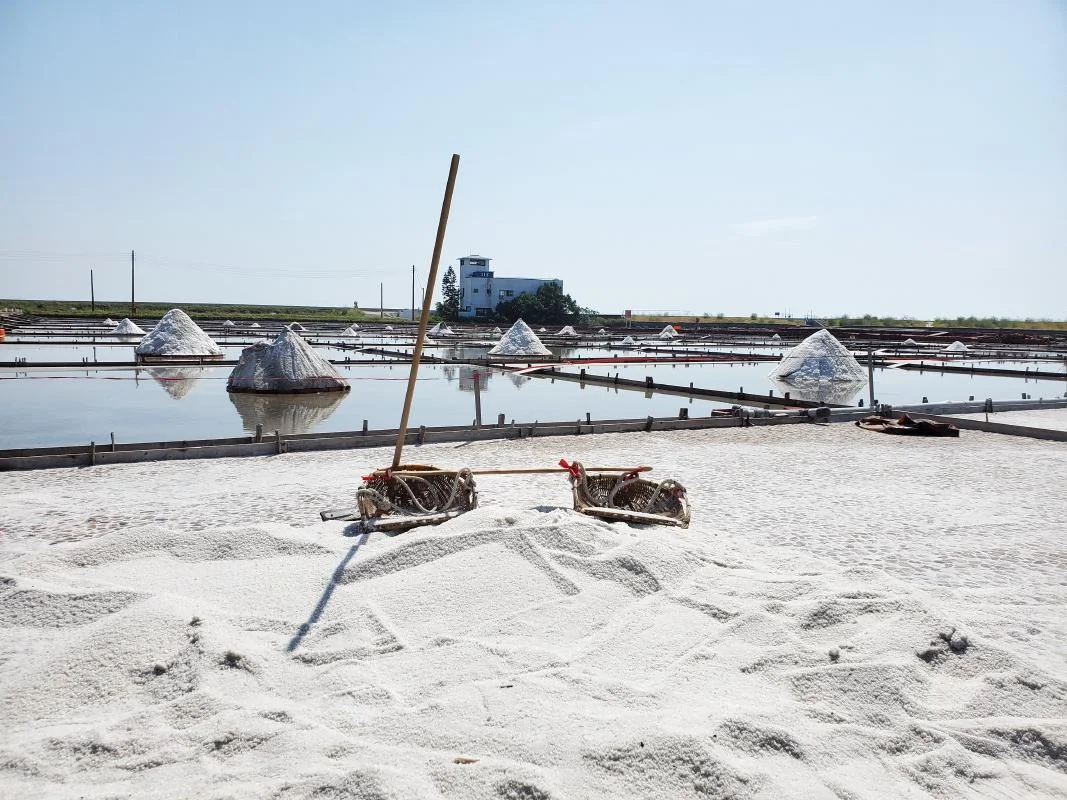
567, 331
296, 326
288, 364
229, 324
287, 414
519, 380
668, 333
440, 329
820, 357
176, 381
835, 393
350, 331
519, 341
109, 322
127, 328
177, 335
957, 347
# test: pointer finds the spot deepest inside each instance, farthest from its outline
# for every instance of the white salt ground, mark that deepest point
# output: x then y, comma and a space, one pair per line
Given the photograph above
850, 616
519, 340
177, 335
1050, 419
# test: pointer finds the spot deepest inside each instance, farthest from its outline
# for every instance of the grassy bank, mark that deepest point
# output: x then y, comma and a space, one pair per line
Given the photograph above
234, 311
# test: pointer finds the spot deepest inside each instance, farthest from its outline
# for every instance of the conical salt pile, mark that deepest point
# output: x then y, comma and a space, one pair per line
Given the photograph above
911, 342
668, 333
388, 327
957, 347
229, 324
296, 326
127, 328
350, 331
601, 332
567, 331
440, 329
254, 325
520, 340
288, 364
776, 338
541, 330
627, 342
497, 332
819, 357
109, 322
177, 335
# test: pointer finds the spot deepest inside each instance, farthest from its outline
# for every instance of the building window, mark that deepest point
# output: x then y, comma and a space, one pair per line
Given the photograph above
509, 293
462, 292
484, 312
475, 290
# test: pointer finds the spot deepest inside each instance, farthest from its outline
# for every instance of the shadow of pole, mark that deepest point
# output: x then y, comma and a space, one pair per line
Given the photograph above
326, 595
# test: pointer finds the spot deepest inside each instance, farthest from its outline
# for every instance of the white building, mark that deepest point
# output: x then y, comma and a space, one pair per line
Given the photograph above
480, 291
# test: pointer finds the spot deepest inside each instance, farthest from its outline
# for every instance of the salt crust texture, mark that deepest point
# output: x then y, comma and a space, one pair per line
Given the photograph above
520, 340
820, 357
288, 364
177, 335
190, 629
127, 328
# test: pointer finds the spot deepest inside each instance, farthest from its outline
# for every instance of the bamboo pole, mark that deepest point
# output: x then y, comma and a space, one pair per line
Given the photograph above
446, 204
516, 471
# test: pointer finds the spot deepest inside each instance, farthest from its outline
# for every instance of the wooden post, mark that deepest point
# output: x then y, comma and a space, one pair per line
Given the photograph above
133, 286
92, 291
477, 399
92, 454
112, 441
381, 300
870, 376
259, 432
416, 356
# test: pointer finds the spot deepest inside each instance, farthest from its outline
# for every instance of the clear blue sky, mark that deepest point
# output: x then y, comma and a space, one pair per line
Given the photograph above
904, 158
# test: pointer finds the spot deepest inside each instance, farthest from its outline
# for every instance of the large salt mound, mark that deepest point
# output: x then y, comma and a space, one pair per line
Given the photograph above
520, 340
567, 330
957, 347
288, 364
229, 324
127, 328
627, 342
440, 329
820, 357
296, 326
668, 333
177, 335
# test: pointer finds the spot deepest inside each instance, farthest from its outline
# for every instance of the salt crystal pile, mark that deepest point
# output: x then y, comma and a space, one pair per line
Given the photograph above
127, 328
820, 357
254, 325
229, 324
627, 342
177, 335
520, 340
440, 329
567, 331
541, 330
109, 322
350, 331
288, 364
668, 333
957, 347
601, 332
497, 332
296, 326
776, 338
388, 327
911, 342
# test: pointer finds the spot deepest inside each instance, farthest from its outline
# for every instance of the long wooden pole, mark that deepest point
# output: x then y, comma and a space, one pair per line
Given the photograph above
416, 356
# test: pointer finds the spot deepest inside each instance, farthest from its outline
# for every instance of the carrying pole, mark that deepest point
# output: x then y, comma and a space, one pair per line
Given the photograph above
446, 204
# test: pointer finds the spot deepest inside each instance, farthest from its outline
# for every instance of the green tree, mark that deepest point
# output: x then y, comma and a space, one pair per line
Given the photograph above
548, 305
448, 307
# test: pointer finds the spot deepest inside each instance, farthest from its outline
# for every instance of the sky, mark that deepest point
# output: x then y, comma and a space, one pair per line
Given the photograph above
905, 158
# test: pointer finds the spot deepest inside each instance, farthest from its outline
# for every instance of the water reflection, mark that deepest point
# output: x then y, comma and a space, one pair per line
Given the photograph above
839, 393
286, 413
469, 375
176, 381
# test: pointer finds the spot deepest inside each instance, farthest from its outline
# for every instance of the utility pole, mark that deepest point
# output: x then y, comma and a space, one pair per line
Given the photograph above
133, 286
870, 376
92, 291
412, 292
381, 300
